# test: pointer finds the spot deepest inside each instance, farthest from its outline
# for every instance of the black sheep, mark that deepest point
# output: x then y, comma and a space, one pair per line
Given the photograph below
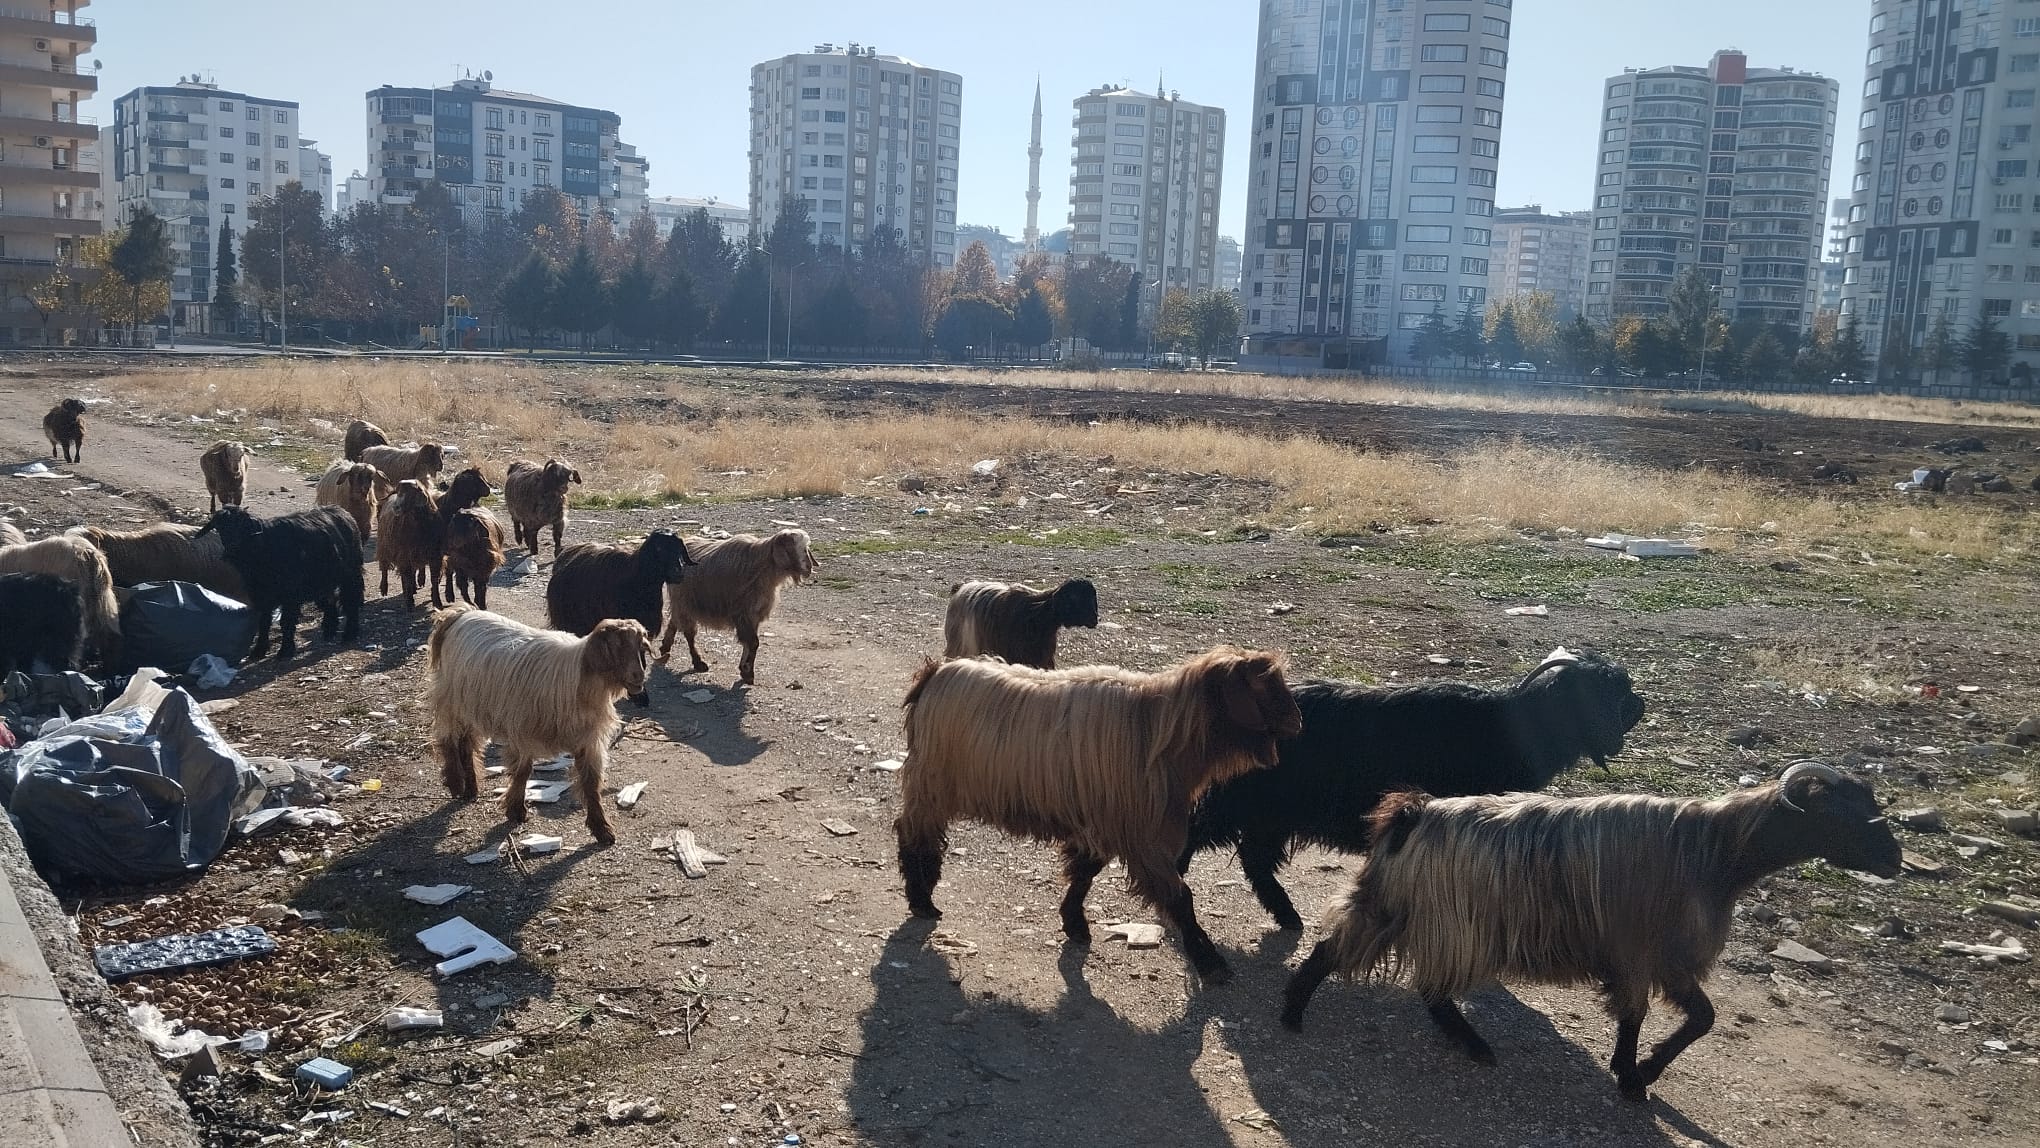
41, 617
1015, 622
309, 556
592, 583
1448, 739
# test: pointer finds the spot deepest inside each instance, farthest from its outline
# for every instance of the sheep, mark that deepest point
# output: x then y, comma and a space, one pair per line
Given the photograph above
474, 549
64, 426
536, 497
362, 434
357, 488
286, 561
41, 618
166, 552
412, 541
537, 693
1105, 762
399, 463
225, 466
70, 557
592, 582
1446, 738
1016, 622
1632, 894
734, 584
11, 535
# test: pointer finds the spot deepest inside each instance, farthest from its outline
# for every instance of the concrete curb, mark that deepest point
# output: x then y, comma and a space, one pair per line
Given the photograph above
60, 1046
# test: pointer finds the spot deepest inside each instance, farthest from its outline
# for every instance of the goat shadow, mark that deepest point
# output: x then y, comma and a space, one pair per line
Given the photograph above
940, 1065
708, 728
1370, 1067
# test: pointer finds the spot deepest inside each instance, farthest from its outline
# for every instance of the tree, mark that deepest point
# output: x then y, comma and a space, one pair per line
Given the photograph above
1214, 323
1898, 362
634, 302
581, 305
971, 325
526, 297
975, 274
310, 251
1033, 322
549, 223
1765, 360
1847, 352
1434, 339
48, 296
1465, 338
141, 256
226, 300
1503, 338
1174, 322
678, 314
1129, 312
1690, 307
839, 316
698, 246
1091, 290
1942, 350
1985, 350
741, 315
1579, 345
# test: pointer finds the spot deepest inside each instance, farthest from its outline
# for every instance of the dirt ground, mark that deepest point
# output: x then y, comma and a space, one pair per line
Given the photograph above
787, 994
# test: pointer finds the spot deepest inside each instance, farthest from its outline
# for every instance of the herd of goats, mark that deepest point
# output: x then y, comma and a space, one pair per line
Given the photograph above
1471, 876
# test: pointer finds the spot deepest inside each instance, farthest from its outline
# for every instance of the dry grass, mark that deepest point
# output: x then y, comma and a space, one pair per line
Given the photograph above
1863, 675
776, 447
1898, 408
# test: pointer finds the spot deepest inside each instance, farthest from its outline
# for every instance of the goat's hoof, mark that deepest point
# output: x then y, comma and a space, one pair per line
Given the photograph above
1634, 1090
515, 816
1077, 934
1289, 921
604, 837
926, 911
700, 667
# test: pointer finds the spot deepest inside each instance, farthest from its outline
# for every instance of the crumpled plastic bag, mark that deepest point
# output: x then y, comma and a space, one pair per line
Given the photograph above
212, 672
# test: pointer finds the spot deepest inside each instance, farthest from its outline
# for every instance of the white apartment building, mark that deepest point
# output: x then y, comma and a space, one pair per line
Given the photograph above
668, 210
1229, 263
315, 172
1370, 197
1145, 175
1723, 167
350, 191
1535, 250
1944, 212
490, 147
633, 184
49, 167
198, 155
869, 141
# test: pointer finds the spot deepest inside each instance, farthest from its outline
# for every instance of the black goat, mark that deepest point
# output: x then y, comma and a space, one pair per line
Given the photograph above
1445, 738
1015, 622
308, 556
592, 583
41, 617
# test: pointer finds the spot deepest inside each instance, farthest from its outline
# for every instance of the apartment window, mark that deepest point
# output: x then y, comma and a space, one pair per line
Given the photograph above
1442, 54
282, 117
226, 209
1997, 308
544, 121
254, 189
1432, 204
226, 133
1427, 174
1480, 177
227, 182
1480, 206
1426, 233
2011, 169
283, 167
1489, 88
226, 105
1438, 264
493, 171
1448, 22
1440, 114
227, 157
543, 176
2001, 237
1489, 148
255, 114
282, 141
1423, 292
1441, 83
1434, 145
2025, 62
1476, 236
1494, 58
254, 164
1495, 26
1487, 117
2019, 98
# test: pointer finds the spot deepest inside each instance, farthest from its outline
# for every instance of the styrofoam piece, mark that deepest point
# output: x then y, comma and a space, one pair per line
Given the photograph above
556, 765
538, 844
889, 765
1660, 548
546, 792
330, 1075
1528, 611
699, 697
398, 1019
487, 856
629, 795
435, 894
464, 946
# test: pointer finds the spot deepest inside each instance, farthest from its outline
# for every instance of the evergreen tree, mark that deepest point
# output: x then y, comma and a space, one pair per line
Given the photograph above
1765, 358
1898, 362
226, 299
1129, 311
975, 274
634, 299
1466, 337
527, 296
1033, 324
581, 305
1504, 340
1847, 353
1942, 349
1434, 339
142, 256
840, 316
1985, 350
1579, 345
678, 312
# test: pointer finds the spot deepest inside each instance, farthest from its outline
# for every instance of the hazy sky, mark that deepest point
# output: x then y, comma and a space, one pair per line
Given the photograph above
678, 71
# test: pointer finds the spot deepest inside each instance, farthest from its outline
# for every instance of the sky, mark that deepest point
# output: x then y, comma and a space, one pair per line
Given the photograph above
678, 71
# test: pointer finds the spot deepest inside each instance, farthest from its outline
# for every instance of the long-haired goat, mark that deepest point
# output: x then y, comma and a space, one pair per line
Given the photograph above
362, 434
592, 582
64, 426
40, 618
536, 497
225, 466
1104, 762
166, 552
73, 558
356, 488
1630, 894
1445, 738
397, 463
11, 535
537, 693
733, 585
474, 549
286, 561
1015, 622
413, 541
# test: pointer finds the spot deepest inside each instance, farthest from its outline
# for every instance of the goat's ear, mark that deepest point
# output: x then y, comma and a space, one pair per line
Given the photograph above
1242, 696
576, 476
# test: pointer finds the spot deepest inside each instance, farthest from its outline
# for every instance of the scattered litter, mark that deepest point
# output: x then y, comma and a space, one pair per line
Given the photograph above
390, 1109
330, 1075
372, 785
1279, 609
1257, 1120
554, 765
699, 697
486, 857
951, 945
546, 792
2016, 914
398, 1019
263, 820
1999, 948
151, 1025
839, 828
889, 765
633, 1111
212, 672
1924, 866
525, 568
1528, 611
1139, 935
499, 1047
628, 796
538, 844
464, 946
435, 894
1645, 547
1804, 957
693, 859
985, 468
182, 951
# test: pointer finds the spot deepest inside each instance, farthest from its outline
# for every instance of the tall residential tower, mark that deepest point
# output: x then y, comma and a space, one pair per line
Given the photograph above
1144, 187
49, 173
1370, 199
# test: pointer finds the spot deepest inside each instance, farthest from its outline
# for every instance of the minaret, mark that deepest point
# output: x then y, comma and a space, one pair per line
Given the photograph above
1032, 237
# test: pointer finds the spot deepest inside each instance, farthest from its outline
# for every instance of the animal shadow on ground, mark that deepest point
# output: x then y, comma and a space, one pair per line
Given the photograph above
1371, 1068
941, 1065
707, 728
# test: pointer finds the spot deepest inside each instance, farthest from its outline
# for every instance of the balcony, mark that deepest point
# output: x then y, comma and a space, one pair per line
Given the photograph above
22, 22
47, 72
14, 127
72, 222
47, 166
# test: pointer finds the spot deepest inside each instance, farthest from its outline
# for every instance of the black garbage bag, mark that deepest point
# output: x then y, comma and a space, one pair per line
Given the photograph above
170, 624
127, 807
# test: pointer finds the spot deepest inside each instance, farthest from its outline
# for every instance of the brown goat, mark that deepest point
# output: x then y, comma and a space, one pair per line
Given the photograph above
474, 549
1107, 763
536, 497
412, 541
1015, 622
534, 692
362, 434
64, 426
733, 585
70, 557
399, 463
356, 488
225, 466
166, 552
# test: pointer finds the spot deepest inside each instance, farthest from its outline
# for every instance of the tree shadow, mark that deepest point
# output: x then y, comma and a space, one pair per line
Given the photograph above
940, 1065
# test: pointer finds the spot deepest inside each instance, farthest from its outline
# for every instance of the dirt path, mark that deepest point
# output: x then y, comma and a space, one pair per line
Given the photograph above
788, 993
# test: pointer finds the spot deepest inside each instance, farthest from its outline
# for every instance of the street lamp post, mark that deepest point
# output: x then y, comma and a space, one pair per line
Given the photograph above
791, 283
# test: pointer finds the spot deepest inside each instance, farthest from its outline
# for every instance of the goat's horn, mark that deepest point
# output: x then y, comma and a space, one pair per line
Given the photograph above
1806, 769
1557, 659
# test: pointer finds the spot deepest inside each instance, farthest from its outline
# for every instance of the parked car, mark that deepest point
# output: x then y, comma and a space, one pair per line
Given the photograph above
1620, 372
1527, 367
1845, 379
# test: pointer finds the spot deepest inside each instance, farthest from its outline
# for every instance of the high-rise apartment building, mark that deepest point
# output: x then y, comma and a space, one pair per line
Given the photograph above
1145, 174
1536, 250
1724, 168
1944, 216
668, 210
1229, 263
198, 156
490, 147
1370, 196
49, 166
633, 184
869, 141
1832, 259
